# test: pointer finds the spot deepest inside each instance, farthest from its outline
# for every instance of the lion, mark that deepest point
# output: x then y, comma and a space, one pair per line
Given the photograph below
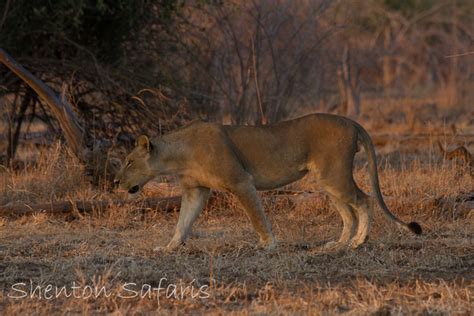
244, 159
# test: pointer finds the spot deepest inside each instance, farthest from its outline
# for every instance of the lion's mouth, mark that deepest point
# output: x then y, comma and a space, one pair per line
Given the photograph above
134, 189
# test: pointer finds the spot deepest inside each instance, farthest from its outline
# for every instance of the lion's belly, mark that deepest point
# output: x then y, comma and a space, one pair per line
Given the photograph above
275, 166
263, 182
273, 157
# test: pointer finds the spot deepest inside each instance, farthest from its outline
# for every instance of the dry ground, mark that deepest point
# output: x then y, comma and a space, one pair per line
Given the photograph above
393, 273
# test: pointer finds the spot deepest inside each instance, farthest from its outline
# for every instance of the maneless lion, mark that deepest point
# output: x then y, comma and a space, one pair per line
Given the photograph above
244, 159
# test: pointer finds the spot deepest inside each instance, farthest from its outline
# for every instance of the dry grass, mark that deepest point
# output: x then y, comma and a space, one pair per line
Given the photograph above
393, 273
55, 175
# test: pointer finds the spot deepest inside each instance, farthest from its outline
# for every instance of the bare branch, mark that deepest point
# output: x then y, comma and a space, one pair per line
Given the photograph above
61, 108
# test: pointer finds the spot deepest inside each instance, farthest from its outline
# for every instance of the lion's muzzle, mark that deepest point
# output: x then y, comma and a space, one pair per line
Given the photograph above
134, 189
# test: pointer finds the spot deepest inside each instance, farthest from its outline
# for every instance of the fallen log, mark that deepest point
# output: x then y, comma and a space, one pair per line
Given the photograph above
167, 204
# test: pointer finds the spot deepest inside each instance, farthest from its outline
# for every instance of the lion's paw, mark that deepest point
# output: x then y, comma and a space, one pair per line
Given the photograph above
269, 244
332, 245
336, 245
160, 249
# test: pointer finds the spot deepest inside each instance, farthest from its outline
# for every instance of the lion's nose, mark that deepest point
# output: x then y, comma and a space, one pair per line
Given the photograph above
116, 182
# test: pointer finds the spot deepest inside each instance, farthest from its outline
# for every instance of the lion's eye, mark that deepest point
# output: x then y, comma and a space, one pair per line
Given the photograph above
129, 163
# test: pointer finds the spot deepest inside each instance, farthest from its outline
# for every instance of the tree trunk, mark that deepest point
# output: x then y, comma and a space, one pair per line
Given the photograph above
348, 80
13, 137
61, 109
95, 158
387, 68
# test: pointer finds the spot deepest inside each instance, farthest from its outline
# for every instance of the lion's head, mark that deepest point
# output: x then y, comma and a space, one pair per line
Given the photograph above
136, 170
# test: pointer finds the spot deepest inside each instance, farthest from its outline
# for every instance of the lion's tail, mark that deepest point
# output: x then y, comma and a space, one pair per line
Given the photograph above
374, 179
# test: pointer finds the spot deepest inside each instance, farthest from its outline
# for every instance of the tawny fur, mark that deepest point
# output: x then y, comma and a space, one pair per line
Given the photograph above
244, 159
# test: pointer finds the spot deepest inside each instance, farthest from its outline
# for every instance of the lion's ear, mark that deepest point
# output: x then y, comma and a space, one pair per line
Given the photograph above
144, 142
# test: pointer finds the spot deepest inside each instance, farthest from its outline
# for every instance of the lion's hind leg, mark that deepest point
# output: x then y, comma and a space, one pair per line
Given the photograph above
349, 221
354, 206
248, 197
364, 209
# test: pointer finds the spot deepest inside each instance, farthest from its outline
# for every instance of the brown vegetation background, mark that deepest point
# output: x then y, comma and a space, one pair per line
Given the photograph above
403, 69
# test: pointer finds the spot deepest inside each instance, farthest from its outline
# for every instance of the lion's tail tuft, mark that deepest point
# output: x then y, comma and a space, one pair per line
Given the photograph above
415, 228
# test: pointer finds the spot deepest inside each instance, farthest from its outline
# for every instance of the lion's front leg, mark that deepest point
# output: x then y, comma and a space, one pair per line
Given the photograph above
192, 203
